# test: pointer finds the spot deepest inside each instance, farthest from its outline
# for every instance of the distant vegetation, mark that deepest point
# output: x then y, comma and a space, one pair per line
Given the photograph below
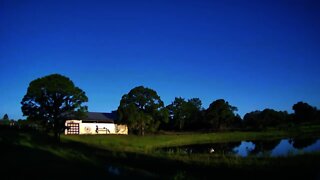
5, 120
143, 107
52, 99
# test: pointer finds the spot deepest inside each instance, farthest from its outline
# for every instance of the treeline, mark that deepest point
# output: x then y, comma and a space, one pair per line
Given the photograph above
6, 122
51, 100
302, 113
190, 115
143, 111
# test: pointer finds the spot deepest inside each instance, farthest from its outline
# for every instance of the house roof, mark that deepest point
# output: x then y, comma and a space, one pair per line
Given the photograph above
101, 117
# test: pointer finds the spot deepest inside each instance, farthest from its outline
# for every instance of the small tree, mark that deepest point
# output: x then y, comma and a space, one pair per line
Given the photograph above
5, 117
6, 120
53, 99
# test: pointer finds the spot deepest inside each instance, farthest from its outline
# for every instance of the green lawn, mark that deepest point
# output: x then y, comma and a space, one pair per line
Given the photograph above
120, 156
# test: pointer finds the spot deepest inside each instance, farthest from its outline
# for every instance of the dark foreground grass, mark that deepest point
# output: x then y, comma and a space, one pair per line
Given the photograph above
35, 156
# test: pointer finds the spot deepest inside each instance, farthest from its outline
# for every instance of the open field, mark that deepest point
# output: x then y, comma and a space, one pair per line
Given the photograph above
33, 155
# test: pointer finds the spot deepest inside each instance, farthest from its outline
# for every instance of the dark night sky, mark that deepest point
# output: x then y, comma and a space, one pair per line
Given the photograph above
255, 54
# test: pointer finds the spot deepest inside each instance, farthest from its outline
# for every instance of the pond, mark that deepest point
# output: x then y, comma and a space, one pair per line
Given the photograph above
272, 148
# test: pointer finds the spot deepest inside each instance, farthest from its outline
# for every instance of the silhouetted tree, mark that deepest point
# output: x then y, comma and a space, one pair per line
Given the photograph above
303, 112
220, 114
185, 114
53, 99
6, 117
265, 118
251, 120
194, 109
143, 110
270, 117
178, 113
236, 122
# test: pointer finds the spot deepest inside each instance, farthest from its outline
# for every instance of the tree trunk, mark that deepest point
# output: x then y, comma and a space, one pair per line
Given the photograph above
56, 129
142, 130
57, 136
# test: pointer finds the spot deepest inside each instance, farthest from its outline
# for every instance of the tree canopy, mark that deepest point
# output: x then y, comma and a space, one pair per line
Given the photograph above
178, 113
5, 117
142, 110
184, 114
303, 112
53, 99
266, 118
220, 114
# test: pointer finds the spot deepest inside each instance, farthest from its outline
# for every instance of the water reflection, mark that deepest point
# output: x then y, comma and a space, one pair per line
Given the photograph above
281, 147
244, 148
113, 170
222, 148
302, 143
264, 147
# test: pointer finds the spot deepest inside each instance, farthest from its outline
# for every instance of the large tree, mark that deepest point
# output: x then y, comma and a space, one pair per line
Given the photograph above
252, 120
303, 112
220, 114
53, 99
178, 113
185, 114
143, 110
265, 118
194, 107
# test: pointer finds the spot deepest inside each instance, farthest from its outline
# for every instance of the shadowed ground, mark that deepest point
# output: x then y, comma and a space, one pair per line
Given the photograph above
28, 155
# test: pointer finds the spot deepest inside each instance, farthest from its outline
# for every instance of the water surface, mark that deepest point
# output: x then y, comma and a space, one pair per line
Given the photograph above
272, 148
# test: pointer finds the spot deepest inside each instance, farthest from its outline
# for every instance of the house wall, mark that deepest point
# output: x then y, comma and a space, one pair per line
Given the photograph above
122, 129
103, 128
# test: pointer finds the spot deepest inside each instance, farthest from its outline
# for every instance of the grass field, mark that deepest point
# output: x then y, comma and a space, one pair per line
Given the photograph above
34, 155
148, 143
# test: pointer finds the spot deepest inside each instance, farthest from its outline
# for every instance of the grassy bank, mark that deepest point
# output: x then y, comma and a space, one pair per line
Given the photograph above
148, 143
35, 155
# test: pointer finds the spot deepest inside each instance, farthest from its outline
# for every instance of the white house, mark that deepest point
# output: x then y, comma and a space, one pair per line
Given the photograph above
96, 123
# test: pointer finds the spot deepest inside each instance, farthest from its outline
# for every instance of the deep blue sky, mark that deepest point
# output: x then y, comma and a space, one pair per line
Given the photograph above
255, 54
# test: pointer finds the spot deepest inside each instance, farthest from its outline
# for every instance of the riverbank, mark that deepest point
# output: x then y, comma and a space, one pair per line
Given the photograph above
34, 155
148, 143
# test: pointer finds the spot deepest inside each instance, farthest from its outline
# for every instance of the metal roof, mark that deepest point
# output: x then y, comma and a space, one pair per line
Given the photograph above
98, 116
